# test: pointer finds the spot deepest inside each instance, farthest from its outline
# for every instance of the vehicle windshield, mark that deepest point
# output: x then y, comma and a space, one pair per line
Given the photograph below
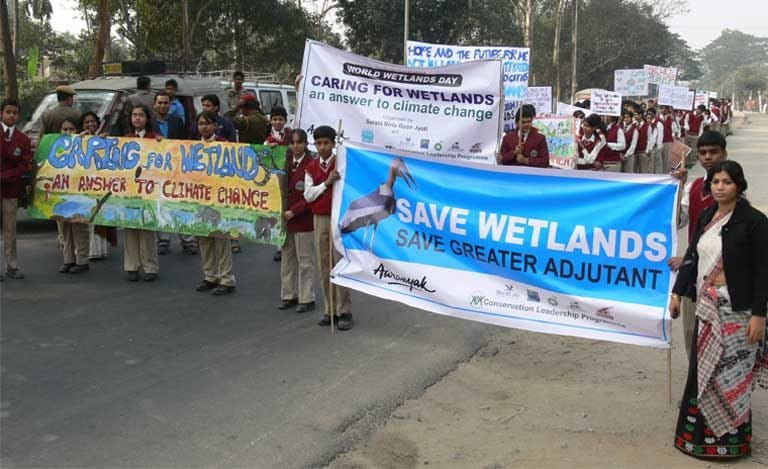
97, 101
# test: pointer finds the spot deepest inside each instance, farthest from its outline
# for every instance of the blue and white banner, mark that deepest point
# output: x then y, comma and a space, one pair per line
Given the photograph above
580, 253
516, 63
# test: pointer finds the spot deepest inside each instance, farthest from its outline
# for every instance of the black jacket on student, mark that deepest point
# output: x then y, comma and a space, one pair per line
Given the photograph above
745, 258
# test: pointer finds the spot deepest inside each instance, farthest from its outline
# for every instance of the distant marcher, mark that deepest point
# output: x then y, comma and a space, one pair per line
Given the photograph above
725, 270
237, 92
590, 143
629, 163
694, 127
615, 144
177, 109
64, 110
15, 162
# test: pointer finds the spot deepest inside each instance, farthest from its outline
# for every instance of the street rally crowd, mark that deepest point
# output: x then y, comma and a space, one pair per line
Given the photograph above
722, 283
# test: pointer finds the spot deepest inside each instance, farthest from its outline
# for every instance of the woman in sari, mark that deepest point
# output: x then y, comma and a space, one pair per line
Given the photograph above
726, 269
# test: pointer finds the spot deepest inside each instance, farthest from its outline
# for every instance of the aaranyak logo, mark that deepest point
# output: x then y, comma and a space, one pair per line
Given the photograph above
395, 278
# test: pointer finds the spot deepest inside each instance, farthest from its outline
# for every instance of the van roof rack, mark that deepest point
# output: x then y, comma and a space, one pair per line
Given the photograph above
159, 67
250, 75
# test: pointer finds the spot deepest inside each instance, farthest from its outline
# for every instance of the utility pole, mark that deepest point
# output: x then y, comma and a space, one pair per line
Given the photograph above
9, 60
574, 40
405, 32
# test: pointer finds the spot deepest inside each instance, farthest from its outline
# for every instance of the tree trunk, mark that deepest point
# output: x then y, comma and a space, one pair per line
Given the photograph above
574, 52
9, 60
102, 38
556, 47
528, 32
15, 6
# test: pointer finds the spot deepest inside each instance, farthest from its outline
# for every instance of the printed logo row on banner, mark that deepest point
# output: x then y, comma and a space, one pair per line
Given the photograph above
422, 232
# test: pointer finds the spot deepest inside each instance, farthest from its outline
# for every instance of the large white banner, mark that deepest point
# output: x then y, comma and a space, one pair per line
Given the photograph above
452, 112
679, 97
630, 82
515, 61
541, 98
580, 253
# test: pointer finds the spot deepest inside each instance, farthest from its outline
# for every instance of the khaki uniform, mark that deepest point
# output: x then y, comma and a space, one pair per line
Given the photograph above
9, 232
77, 242
666, 154
297, 268
644, 162
253, 128
53, 118
140, 251
341, 298
216, 257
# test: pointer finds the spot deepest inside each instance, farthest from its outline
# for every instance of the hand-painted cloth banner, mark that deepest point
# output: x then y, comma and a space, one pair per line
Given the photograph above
541, 98
579, 253
630, 82
516, 62
452, 112
661, 75
676, 96
218, 189
561, 135
606, 103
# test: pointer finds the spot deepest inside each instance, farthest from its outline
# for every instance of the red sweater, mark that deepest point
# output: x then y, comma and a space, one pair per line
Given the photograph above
667, 123
534, 148
607, 155
293, 192
15, 161
642, 137
286, 140
698, 201
321, 205
694, 122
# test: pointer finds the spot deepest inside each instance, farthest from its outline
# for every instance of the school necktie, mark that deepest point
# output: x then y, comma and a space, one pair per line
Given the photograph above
7, 135
324, 165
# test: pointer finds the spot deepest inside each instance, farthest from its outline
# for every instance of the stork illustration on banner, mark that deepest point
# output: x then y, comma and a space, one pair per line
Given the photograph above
370, 210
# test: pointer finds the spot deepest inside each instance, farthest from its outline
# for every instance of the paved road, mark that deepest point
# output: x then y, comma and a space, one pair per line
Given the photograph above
99, 372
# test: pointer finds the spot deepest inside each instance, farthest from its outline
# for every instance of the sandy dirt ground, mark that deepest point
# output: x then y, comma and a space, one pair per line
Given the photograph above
531, 400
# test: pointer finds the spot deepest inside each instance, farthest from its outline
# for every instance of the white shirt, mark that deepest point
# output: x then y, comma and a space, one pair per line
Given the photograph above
659, 135
312, 191
12, 129
590, 157
621, 142
633, 144
140, 133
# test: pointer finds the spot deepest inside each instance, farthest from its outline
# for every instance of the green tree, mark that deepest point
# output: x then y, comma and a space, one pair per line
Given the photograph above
730, 51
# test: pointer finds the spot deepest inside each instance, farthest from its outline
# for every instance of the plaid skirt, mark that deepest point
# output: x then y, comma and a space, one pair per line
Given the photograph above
693, 435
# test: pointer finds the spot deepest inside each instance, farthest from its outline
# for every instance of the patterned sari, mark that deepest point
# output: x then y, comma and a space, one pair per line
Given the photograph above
715, 413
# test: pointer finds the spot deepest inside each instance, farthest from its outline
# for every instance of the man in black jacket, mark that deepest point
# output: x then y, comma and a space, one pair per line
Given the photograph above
171, 127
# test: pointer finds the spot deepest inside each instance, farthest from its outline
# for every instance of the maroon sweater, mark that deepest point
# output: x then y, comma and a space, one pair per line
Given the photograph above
293, 193
15, 161
534, 148
321, 205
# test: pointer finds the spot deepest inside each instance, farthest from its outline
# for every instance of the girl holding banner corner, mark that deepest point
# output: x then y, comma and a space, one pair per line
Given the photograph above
725, 270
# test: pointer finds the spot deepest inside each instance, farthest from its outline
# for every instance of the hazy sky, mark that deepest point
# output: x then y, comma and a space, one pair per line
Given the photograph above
703, 24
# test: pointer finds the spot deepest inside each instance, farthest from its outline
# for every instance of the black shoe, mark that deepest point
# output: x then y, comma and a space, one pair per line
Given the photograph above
223, 290
77, 268
278, 256
66, 268
133, 276
162, 250
326, 321
205, 285
305, 307
14, 274
150, 277
345, 322
189, 250
287, 304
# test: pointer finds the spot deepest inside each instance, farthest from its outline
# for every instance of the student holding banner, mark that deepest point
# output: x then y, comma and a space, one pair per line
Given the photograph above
590, 143
140, 250
215, 253
725, 269
525, 146
75, 240
319, 179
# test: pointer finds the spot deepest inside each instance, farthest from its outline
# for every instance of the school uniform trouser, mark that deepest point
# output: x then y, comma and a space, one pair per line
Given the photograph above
612, 166
9, 209
688, 311
341, 297
164, 239
657, 164
629, 164
666, 154
216, 257
77, 242
691, 140
644, 162
140, 251
297, 268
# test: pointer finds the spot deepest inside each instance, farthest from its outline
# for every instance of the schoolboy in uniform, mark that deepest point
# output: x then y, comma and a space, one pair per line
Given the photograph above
319, 179
629, 163
525, 146
15, 161
694, 127
615, 144
668, 129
